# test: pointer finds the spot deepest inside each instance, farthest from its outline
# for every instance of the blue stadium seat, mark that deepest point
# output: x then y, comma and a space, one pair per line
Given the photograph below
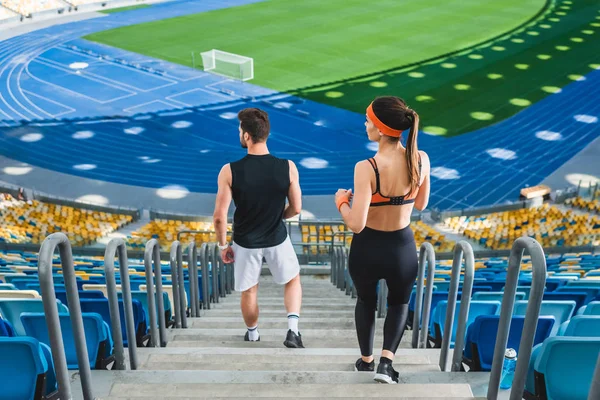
592, 308
578, 298
6, 329
565, 366
11, 310
7, 286
494, 296
476, 309
51, 384
22, 368
591, 292
8, 278
97, 336
100, 306
22, 283
142, 297
584, 282
561, 311
582, 325
481, 338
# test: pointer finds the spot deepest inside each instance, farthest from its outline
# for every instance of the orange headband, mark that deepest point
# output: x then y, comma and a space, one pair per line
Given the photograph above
383, 128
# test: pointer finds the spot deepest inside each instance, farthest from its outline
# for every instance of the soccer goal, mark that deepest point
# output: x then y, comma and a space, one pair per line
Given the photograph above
227, 64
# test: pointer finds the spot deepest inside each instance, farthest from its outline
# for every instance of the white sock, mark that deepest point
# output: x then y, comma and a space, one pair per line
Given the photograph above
253, 334
293, 322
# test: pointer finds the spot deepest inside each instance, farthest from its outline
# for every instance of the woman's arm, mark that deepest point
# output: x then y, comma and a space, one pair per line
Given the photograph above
355, 217
422, 198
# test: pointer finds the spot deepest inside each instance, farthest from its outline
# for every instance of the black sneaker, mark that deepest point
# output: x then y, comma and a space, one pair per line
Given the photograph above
293, 341
362, 366
386, 374
247, 338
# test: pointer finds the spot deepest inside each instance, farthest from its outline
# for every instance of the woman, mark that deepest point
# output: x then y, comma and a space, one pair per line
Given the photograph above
386, 188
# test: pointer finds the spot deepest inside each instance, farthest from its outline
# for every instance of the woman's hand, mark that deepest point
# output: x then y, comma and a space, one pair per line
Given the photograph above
343, 196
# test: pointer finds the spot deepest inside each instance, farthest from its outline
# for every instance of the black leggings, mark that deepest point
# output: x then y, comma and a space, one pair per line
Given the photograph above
392, 256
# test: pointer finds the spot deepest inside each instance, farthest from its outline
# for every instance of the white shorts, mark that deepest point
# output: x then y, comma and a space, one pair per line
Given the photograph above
247, 266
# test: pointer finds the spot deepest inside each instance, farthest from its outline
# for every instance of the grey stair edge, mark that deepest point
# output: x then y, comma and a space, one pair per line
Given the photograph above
289, 390
348, 351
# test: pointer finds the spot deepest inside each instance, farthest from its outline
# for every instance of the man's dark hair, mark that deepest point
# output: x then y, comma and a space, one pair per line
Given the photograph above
256, 122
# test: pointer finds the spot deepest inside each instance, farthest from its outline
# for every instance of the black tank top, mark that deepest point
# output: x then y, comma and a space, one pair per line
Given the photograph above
260, 186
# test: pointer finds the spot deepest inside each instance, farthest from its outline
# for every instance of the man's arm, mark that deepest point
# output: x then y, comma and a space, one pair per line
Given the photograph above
222, 204
294, 194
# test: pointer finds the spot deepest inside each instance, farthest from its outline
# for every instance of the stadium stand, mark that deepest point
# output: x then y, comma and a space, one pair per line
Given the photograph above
5, 13
31, 221
592, 206
314, 234
547, 224
166, 230
28, 7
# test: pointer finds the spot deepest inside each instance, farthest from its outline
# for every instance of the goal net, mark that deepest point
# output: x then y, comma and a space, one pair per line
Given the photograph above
228, 64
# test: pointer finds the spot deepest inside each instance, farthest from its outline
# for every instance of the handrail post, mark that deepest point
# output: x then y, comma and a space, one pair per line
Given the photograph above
461, 249
118, 245
47, 249
595, 387
382, 299
214, 255
205, 276
193, 273
419, 337
538, 262
152, 258
175, 282
222, 277
181, 282
347, 277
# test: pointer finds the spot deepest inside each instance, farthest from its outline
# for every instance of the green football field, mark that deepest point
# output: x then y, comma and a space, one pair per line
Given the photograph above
462, 64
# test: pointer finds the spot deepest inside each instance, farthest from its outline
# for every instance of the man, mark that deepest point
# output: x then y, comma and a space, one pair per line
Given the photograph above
259, 184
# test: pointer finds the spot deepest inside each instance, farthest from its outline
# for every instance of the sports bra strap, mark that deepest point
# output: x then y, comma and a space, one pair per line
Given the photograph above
374, 165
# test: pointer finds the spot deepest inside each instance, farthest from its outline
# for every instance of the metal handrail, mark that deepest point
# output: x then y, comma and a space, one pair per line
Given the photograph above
205, 276
538, 262
152, 257
176, 262
595, 387
118, 245
419, 337
341, 281
461, 249
222, 279
57, 346
347, 278
214, 257
382, 299
193, 275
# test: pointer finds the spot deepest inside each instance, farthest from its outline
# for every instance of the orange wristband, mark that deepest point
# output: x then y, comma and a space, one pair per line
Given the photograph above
341, 201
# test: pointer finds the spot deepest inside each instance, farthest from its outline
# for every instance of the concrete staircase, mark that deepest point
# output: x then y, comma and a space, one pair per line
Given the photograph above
210, 360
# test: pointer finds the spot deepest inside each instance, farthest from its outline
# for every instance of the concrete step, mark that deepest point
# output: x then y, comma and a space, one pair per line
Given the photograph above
273, 343
209, 314
312, 334
105, 383
277, 323
294, 391
323, 305
282, 360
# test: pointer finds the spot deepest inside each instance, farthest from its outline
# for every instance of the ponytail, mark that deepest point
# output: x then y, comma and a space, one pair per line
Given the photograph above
412, 152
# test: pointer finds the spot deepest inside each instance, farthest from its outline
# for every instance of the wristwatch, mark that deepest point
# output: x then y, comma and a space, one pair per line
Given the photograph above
224, 247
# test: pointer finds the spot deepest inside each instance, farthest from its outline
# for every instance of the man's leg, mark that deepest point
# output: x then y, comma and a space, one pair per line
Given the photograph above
247, 267
292, 298
285, 269
249, 305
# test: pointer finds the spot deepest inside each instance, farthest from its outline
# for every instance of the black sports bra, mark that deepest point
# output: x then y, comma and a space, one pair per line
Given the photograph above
377, 199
